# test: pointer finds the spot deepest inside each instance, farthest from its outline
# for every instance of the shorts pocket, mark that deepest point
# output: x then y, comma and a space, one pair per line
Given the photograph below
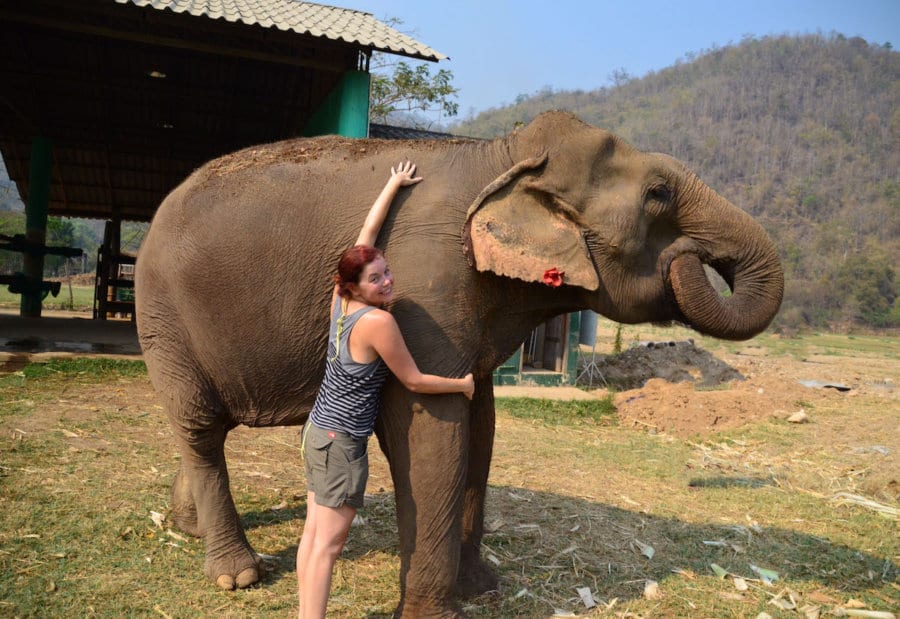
356, 479
318, 439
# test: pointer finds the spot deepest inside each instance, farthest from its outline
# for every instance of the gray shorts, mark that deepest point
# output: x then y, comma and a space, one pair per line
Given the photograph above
337, 466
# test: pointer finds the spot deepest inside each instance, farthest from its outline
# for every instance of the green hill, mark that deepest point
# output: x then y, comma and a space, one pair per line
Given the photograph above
802, 132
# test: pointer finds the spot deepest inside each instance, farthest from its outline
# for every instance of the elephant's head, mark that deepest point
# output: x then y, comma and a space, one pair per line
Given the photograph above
631, 230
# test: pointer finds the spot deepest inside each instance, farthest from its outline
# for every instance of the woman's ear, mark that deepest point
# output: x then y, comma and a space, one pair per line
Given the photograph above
517, 228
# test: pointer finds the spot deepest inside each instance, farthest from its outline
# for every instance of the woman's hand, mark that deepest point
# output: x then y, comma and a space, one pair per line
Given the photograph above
469, 390
405, 174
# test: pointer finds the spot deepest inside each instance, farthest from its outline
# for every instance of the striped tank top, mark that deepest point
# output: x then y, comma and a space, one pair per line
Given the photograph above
350, 394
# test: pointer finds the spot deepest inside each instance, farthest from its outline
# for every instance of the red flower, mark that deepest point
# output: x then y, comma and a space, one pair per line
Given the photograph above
553, 277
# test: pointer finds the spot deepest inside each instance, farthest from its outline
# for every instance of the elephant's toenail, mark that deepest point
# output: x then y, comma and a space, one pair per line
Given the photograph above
247, 577
225, 582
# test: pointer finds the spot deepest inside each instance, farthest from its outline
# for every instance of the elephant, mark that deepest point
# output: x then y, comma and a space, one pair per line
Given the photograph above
234, 277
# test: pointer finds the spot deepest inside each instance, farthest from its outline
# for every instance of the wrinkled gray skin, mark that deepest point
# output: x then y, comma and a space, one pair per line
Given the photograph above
233, 284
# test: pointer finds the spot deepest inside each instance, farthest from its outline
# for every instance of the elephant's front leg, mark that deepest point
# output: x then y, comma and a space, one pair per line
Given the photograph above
425, 439
475, 576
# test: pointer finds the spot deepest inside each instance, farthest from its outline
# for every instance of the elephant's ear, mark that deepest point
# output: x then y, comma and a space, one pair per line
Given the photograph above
518, 228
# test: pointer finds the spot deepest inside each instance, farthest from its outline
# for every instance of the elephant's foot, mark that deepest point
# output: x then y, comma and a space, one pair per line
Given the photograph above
474, 576
236, 572
411, 608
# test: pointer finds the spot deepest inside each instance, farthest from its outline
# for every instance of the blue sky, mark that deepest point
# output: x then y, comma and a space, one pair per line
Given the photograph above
502, 48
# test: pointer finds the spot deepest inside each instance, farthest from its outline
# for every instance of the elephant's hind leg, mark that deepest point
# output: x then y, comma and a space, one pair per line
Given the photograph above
202, 502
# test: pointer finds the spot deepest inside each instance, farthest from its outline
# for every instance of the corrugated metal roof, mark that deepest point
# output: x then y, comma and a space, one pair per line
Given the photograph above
316, 20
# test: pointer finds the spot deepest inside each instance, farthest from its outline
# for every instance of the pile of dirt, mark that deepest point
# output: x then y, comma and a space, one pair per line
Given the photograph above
736, 389
671, 361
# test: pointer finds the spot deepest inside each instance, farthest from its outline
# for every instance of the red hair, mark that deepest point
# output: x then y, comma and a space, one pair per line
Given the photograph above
351, 265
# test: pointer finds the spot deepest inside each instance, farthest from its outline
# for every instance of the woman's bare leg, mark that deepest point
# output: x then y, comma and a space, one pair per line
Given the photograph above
331, 526
306, 540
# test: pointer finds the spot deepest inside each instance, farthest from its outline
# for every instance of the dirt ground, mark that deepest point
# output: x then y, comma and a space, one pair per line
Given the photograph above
730, 390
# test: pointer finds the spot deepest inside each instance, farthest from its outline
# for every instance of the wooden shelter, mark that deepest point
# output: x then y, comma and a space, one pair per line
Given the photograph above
106, 105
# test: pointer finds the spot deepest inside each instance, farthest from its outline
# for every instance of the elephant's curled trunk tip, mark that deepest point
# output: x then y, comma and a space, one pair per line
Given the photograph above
756, 297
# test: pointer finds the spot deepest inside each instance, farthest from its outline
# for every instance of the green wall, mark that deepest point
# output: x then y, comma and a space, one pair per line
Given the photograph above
345, 110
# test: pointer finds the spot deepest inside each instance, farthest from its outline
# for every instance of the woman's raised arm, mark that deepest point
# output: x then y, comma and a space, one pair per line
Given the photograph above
403, 176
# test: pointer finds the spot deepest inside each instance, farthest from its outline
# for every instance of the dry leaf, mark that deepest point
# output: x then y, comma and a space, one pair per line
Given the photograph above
651, 590
740, 584
799, 417
646, 549
785, 603
820, 597
685, 572
157, 518
767, 576
854, 603
810, 612
563, 613
175, 535
763, 616
586, 596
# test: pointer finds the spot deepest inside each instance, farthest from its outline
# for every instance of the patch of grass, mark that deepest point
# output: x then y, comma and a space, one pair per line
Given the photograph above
82, 298
599, 411
99, 368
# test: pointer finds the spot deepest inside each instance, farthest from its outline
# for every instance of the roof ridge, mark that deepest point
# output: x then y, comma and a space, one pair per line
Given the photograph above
308, 18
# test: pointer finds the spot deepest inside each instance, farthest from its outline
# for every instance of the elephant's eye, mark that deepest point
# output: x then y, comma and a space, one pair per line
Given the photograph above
659, 193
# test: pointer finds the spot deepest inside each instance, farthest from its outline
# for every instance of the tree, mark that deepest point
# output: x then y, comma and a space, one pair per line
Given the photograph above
412, 89
400, 88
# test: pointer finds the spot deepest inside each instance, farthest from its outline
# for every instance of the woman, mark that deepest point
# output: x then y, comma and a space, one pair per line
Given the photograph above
364, 343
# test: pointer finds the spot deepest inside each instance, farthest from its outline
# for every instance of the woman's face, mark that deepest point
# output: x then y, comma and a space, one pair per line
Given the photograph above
376, 284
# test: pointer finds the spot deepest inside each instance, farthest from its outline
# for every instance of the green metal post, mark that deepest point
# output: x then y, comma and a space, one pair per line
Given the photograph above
39, 173
573, 345
345, 110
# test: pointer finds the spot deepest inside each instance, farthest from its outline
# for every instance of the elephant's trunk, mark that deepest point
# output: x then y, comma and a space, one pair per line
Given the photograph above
739, 250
